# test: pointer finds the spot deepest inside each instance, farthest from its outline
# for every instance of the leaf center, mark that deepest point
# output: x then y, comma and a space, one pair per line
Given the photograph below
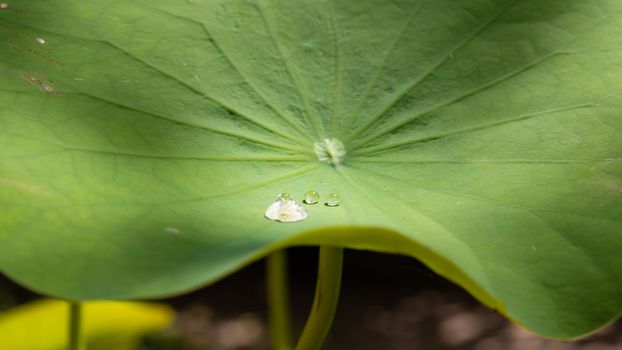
330, 151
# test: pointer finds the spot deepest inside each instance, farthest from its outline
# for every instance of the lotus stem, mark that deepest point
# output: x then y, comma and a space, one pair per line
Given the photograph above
278, 301
76, 339
325, 301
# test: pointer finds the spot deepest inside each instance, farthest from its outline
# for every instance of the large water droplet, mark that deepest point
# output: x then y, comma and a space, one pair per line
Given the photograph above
284, 197
286, 211
311, 197
333, 200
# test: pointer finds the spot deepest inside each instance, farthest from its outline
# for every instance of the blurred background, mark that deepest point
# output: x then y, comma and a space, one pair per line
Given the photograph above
387, 302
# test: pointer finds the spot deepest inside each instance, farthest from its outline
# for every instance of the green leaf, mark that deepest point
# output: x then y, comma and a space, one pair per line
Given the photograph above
43, 324
141, 143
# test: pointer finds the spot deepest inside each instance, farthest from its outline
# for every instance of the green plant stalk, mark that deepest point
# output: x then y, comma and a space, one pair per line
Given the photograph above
325, 301
278, 301
76, 340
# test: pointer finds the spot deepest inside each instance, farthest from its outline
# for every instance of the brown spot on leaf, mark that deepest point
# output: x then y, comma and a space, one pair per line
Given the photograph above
42, 83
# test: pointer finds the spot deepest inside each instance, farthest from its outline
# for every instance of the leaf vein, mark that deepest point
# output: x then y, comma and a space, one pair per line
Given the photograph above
282, 114
370, 84
254, 186
312, 121
172, 77
480, 127
483, 199
401, 123
432, 69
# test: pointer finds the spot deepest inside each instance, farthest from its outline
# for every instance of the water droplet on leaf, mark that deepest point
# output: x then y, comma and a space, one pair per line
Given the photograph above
311, 197
333, 200
286, 211
40, 41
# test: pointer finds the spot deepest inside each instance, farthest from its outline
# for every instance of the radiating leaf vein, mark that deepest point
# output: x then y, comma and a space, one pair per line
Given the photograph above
484, 126
409, 119
279, 112
312, 120
444, 57
349, 121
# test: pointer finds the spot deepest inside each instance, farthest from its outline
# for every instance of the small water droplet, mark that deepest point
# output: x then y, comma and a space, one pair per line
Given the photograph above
4, 5
284, 197
311, 197
333, 200
40, 41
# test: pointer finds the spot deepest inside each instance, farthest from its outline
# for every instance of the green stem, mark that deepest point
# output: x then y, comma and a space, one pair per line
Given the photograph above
278, 301
326, 298
76, 341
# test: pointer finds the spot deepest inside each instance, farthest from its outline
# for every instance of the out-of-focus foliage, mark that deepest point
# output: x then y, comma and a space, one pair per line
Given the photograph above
107, 325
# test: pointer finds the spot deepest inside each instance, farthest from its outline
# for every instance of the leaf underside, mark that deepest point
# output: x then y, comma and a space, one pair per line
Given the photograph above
142, 141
